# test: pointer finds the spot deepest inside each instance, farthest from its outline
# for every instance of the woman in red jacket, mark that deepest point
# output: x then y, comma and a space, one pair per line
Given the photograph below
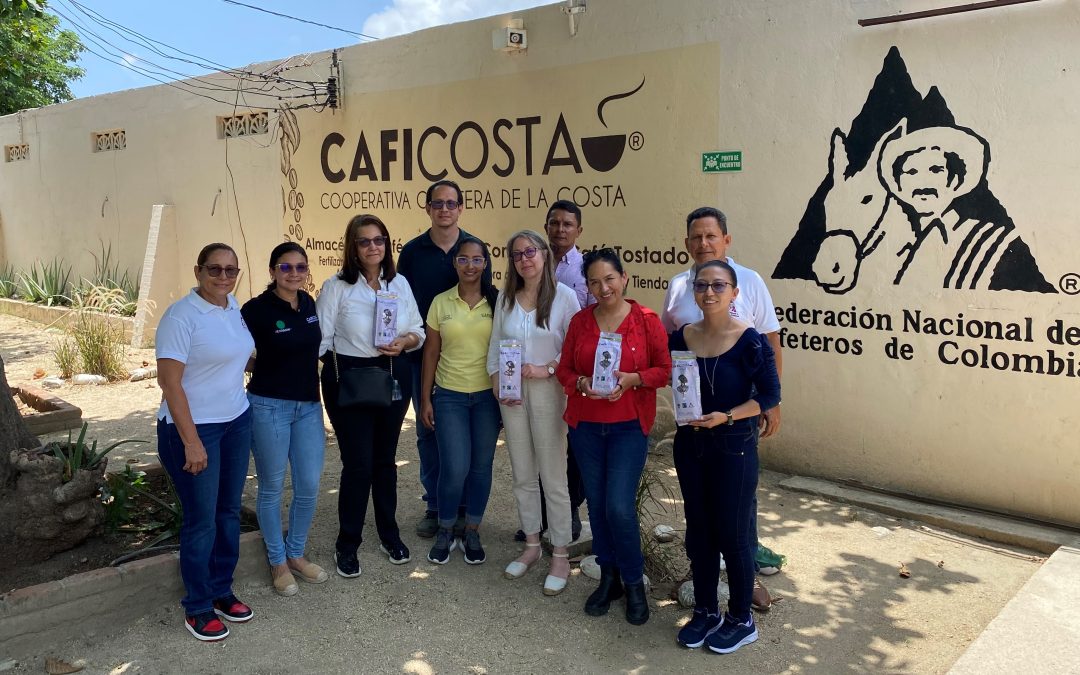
610, 409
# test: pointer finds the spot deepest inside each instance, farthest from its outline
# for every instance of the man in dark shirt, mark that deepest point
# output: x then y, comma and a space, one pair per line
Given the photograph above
426, 263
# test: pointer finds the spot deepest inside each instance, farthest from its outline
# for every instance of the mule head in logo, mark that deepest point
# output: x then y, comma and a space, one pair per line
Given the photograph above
854, 209
604, 152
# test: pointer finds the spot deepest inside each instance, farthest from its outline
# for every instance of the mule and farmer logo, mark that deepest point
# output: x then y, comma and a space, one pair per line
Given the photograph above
907, 195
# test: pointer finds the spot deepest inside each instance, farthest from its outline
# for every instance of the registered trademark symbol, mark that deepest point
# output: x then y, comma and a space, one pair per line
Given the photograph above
637, 140
1070, 283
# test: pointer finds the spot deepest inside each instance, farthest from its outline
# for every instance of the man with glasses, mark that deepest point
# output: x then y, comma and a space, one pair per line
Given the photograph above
707, 239
426, 263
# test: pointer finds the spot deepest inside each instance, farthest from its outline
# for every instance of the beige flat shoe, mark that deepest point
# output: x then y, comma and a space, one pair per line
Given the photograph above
518, 569
307, 570
284, 583
554, 585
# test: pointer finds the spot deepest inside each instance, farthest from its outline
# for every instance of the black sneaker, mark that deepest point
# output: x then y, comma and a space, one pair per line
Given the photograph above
206, 627
428, 525
474, 552
348, 565
444, 543
701, 625
732, 635
231, 609
397, 551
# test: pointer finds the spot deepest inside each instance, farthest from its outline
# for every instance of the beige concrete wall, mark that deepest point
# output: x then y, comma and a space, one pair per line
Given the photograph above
772, 79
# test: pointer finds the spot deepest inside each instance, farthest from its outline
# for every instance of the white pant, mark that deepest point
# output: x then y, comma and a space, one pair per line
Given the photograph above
536, 436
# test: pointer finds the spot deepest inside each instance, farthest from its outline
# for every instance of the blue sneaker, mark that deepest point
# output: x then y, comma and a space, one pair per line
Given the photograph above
701, 625
444, 543
731, 635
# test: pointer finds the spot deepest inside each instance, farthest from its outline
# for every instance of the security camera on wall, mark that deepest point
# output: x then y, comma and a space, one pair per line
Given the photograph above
509, 38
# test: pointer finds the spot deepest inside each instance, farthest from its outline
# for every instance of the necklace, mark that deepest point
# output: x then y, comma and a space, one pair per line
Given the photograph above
709, 377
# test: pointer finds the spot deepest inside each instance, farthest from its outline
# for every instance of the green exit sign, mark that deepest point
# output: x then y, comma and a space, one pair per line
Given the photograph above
724, 160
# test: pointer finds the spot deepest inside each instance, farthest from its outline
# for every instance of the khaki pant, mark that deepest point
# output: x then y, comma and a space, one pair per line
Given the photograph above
536, 437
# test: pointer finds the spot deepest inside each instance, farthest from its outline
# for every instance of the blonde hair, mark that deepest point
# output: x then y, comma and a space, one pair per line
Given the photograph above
514, 283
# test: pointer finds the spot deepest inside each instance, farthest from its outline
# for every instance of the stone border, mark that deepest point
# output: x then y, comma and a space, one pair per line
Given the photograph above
55, 611
55, 414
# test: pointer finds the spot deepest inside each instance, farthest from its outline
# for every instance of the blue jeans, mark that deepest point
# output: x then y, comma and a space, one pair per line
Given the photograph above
210, 533
286, 433
611, 457
427, 446
467, 426
718, 472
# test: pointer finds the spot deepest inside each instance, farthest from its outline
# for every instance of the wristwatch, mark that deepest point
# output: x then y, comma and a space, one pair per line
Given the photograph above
550, 369
730, 418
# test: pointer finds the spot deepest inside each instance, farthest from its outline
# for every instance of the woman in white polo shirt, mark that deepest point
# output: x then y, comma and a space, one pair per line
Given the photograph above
204, 436
534, 309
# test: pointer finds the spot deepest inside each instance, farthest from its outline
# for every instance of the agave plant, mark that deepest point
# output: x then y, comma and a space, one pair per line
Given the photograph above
9, 281
46, 283
78, 455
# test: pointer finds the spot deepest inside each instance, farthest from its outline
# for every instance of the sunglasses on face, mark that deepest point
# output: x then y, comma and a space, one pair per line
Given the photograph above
216, 270
529, 253
475, 261
717, 286
288, 268
440, 204
364, 242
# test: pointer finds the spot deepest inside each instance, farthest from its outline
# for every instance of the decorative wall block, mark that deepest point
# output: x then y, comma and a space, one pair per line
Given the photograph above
245, 124
15, 153
113, 139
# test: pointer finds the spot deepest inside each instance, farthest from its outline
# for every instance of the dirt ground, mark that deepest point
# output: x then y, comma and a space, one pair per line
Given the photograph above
843, 606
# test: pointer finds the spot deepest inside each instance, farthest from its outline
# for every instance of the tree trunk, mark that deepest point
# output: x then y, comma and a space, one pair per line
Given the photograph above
14, 434
39, 513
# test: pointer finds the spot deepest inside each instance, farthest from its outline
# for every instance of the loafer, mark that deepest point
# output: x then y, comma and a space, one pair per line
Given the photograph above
285, 584
307, 570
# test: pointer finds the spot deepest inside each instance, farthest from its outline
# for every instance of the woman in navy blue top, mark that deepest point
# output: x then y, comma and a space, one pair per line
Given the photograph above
716, 458
287, 418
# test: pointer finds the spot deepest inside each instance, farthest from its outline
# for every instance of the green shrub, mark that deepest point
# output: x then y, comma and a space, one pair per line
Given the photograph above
78, 455
107, 275
93, 343
47, 284
9, 281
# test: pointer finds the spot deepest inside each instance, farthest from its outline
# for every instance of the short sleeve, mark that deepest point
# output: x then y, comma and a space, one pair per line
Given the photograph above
173, 339
433, 313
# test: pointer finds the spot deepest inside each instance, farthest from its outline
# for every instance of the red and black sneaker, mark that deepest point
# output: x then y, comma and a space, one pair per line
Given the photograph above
207, 627
231, 609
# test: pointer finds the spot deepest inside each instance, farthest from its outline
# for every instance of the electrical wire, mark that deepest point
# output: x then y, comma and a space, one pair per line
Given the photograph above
313, 23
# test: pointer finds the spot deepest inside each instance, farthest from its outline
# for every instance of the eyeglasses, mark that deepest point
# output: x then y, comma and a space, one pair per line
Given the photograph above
216, 270
288, 268
440, 204
716, 286
364, 242
529, 253
476, 261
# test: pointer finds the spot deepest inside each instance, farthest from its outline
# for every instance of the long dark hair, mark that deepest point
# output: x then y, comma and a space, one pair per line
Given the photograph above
351, 268
487, 289
280, 250
545, 296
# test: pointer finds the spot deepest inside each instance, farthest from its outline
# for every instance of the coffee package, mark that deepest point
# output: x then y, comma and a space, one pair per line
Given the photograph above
685, 387
606, 362
510, 370
386, 306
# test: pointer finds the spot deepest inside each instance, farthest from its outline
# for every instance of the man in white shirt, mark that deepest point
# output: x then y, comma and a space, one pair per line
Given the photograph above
707, 239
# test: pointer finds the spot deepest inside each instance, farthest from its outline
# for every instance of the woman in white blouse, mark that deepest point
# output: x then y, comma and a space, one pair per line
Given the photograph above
535, 310
367, 436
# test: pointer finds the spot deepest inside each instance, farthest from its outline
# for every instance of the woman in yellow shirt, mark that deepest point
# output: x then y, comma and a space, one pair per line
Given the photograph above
457, 401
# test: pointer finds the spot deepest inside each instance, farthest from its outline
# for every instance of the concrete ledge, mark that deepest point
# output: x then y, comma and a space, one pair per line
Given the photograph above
54, 413
58, 316
1038, 631
111, 596
994, 528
